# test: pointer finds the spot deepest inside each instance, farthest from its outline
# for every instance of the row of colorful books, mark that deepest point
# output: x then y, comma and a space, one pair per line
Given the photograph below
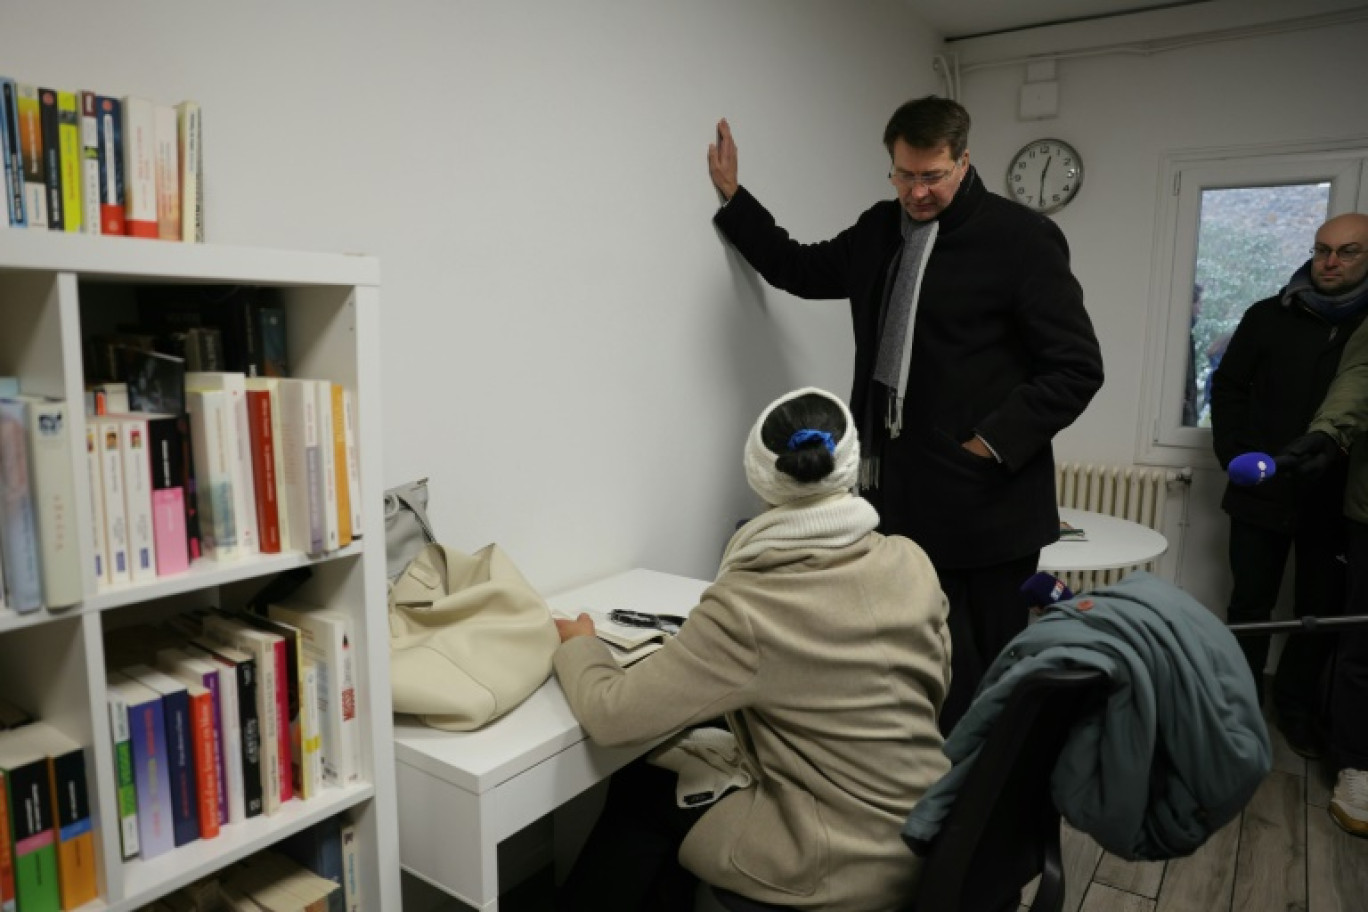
254, 465
314, 870
47, 842
222, 716
85, 162
40, 562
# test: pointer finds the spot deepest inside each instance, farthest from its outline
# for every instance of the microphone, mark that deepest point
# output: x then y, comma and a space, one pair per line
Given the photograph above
1249, 469
1042, 589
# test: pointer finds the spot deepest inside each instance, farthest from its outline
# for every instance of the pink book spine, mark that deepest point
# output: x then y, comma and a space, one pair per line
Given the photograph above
168, 530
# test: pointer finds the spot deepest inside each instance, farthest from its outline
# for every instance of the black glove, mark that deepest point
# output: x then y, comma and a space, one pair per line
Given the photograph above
1308, 456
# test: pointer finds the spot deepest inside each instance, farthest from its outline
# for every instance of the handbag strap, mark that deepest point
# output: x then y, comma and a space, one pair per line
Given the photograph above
418, 514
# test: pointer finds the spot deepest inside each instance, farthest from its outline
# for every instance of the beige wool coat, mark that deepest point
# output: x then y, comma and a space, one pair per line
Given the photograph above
831, 665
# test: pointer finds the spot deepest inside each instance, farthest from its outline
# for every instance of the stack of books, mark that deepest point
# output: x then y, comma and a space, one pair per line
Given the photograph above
97, 164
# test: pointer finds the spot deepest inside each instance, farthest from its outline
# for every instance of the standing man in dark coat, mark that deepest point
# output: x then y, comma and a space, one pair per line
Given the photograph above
1274, 374
972, 350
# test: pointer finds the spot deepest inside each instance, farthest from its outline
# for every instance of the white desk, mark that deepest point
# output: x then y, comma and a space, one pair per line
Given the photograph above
1112, 543
462, 793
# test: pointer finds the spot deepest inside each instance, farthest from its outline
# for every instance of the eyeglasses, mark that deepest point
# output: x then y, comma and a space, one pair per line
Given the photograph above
1347, 254
666, 623
930, 180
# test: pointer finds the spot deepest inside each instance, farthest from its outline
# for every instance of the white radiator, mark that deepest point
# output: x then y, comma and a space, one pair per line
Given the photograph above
1141, 494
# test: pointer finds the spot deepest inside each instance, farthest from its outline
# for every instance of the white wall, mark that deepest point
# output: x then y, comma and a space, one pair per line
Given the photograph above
569, 351
1123, 112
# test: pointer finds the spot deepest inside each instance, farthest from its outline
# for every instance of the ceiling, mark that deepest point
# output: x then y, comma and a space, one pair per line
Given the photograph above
972, 18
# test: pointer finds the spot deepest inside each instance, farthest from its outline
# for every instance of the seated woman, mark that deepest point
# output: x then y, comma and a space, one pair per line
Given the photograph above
824, 644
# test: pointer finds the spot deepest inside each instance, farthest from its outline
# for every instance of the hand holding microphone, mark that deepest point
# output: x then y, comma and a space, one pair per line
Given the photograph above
1042, 589
1305, 457
1309, 455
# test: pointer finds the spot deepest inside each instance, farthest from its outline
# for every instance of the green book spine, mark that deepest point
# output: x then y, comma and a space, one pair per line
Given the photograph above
35, 838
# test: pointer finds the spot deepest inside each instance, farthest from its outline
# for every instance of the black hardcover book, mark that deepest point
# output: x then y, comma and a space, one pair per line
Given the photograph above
230, 309
271, 323
52, 157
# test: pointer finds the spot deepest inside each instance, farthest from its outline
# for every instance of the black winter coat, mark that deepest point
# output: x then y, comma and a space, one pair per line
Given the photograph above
1002, 347
1270, 381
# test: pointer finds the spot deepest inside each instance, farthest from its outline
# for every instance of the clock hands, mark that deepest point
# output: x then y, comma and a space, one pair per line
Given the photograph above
1041, 198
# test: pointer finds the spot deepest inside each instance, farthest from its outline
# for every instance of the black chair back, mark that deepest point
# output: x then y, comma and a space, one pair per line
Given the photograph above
1003, 828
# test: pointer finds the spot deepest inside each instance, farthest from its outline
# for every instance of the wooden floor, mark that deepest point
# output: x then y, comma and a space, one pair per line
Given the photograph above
1283, 853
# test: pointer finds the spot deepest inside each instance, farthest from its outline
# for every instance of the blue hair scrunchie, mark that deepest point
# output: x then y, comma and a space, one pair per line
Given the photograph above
806, 435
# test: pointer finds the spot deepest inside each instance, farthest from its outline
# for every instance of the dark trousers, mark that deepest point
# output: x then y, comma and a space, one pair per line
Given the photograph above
1349, 694
986, 612
630, 863
1257, 559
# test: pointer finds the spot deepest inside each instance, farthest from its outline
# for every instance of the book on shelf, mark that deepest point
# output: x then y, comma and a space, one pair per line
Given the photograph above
166, 144
72, 822
115, 510
151, 767
107, 398
298, 711
222, 678
213, 430
242, 741
14, 159
352, 460
238, 452
342, 479
627, 644
327, 644
52, 158
195, 670
319, 849
271, 708
270, 388
134, 455
69, 154
261, 427
155, 380
271, 882
31, 154
109, 118
28, 782
191, 157
90, 164
271, 332
351, 867
180, 749
53, 481
125, 786
302, 471
168, 454
18, 516
323, 410
99, 554
201, 703
140, 167
8, 902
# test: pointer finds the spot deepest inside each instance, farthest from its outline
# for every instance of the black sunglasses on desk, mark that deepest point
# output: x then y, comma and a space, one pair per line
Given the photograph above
666, 623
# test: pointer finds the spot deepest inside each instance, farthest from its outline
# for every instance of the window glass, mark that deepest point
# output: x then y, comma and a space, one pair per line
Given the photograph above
1249, 242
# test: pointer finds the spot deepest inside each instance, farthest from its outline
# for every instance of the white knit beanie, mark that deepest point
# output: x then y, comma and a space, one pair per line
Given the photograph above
777, 488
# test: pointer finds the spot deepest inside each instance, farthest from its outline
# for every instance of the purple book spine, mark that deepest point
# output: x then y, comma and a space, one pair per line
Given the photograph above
147, 731
211, 683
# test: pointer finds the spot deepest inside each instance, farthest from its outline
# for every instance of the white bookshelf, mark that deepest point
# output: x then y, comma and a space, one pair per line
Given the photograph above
55, 289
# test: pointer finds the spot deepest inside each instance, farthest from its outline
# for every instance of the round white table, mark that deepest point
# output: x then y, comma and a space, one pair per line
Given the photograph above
1111, 543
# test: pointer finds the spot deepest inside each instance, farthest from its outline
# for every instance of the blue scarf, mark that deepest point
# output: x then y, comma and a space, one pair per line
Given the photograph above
1334, 309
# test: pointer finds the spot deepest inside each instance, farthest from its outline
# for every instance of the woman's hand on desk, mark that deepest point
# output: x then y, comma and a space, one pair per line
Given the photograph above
582, 626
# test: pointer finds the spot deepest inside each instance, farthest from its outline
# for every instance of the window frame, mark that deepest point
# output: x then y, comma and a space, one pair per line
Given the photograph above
1162, 437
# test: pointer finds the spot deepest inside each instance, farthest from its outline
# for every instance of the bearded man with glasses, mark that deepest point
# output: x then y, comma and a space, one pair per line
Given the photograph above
1275, 372
972, 350
1339, 277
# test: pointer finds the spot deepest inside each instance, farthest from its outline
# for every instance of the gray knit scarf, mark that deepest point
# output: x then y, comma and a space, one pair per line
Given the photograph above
895, 336
1333, 308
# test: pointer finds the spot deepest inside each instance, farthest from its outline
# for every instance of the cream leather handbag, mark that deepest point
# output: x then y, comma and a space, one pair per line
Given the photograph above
469, 638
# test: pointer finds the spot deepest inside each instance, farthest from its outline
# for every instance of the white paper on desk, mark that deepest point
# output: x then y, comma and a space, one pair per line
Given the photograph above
627, 644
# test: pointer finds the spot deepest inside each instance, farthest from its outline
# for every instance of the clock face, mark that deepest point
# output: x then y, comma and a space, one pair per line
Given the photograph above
1045, 175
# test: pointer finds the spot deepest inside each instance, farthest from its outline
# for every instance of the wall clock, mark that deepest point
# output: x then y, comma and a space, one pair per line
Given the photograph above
1045, 175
